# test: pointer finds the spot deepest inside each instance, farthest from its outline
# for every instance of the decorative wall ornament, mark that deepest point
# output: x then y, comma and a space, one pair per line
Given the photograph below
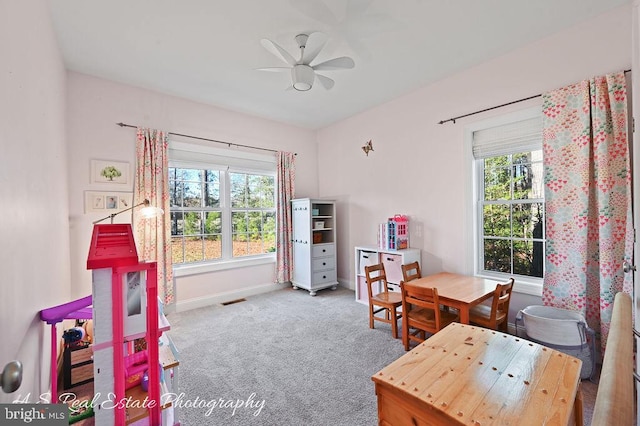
367, 147
112, 172
99, 201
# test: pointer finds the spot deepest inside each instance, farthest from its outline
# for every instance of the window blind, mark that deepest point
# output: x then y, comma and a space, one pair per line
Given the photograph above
191, 155
518, 136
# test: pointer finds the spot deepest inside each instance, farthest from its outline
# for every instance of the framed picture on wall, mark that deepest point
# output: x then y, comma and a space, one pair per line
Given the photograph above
111, 172
107, 201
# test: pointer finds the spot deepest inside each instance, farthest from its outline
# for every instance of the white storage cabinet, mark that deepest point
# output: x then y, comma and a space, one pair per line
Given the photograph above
392, 261
314, 245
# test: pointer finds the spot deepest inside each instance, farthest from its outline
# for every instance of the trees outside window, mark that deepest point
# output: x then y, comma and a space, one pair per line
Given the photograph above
512, 214
220, 215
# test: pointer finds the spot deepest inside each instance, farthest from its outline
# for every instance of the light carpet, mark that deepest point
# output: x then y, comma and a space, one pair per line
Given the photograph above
282, 358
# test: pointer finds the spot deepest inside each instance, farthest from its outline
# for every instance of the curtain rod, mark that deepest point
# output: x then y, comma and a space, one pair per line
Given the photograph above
208, 140
495, 107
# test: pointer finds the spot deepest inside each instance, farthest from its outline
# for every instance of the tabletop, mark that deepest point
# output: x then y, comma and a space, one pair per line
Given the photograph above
464, 288
475, 376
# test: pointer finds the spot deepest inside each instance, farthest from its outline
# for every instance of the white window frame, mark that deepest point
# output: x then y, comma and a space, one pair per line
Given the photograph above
186, 155
526, 285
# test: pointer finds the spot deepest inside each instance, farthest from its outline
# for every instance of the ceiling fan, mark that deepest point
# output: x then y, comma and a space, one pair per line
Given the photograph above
303, 72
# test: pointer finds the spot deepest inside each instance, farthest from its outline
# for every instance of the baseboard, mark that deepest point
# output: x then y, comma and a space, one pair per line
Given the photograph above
348, 284
214, 299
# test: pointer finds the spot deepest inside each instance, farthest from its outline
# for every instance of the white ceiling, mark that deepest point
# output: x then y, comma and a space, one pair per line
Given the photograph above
209, 50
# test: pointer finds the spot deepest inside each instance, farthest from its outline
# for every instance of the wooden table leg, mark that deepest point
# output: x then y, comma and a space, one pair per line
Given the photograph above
464, 314
577, 407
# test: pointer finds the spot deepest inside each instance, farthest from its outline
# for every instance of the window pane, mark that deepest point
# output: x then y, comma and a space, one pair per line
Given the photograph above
177, 250
193, 194
239, 222
528, 258
175, 193
192, 223
527, 176
238, 189
212, 193
269, 225
253, 191
240, 245
268, 192
497, 184
255, 222
497, 220
212, 247
269, 242
177, 223
527, 220
212, 176
193, 175
193, 249
497, 255
255, 243
213, 223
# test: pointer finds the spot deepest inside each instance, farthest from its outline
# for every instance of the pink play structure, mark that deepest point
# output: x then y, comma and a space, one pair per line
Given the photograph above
76, 309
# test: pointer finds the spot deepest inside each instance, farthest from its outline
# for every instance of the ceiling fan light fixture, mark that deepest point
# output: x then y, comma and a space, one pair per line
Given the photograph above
302, 76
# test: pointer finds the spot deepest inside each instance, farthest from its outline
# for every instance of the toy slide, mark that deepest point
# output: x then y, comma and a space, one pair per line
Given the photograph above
76, 309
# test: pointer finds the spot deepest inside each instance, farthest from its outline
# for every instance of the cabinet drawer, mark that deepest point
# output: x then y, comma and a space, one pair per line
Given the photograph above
323, 250
392, 267
324, 276
81, 355
324, 263
395, 288
81, 374
367, 258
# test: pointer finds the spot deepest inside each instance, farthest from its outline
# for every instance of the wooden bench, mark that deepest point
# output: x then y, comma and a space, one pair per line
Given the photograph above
615, 403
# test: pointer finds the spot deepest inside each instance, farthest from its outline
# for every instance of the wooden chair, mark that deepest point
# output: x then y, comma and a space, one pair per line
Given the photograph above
381, 299
496, 315
411, 271
421, 311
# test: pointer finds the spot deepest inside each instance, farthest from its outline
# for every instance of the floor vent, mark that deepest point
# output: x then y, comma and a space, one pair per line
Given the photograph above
231, 302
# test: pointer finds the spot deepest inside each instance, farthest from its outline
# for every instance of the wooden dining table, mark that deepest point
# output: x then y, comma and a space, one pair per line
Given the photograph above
468, 375
459, 291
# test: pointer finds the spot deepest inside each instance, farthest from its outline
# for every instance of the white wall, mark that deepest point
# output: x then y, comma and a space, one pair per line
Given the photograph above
418, 167
34, 253
95, 105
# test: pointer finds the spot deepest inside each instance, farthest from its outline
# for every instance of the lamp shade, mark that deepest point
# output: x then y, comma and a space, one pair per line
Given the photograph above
302, 76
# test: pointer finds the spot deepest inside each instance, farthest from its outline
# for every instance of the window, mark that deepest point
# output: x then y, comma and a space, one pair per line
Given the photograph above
512, 214
509, 188
220, 213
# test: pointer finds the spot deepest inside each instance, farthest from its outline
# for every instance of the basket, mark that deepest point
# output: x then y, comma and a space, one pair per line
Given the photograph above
561, 329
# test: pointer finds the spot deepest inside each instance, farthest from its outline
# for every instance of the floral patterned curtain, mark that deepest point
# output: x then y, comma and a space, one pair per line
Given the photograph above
153, 235
588, 198
286, 192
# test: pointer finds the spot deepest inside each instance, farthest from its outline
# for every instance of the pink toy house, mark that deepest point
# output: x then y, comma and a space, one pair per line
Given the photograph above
125, 308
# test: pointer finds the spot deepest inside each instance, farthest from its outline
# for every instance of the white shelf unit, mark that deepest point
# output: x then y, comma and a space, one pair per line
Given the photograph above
314, 245
392, 261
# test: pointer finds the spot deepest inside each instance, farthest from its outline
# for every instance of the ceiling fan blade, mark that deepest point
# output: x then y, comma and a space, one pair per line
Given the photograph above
342, 63
274, 69
278, 51
315, 43
325, 81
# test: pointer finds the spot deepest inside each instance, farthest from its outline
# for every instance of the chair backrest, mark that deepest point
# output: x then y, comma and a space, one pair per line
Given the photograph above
501, 299
376, 278
421, 297
411, 271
